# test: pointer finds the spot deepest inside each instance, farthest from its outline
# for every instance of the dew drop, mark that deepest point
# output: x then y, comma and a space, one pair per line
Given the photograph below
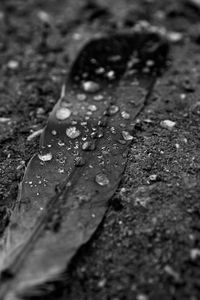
125, 115
72, 132
54, 132
91, 86
92, 107
102, 179
63, 113
88, 146
113, 109
45, 157
98, 97
81, 97
127, 136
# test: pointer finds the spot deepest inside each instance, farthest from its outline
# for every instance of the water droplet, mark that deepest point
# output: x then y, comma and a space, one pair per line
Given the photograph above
72, 132
91, 86
45, 157
92, 107
79, 161
63, 113
88, 146
113, 109
61, 170
54, 132
125, 115
102, 179
127, 136
100, 70
81, 97
98, 97
61, 144
111, 74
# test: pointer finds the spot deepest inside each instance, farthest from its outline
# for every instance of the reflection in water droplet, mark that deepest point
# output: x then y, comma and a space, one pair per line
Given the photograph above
127, 136
63, 113
102, 179
113, 109
125, 115
45, 157
72, 132
91, 86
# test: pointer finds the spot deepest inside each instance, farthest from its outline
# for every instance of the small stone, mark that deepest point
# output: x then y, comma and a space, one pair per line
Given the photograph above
102, 179
168, 124
73, 132
63, 113
45, 157
91, 86
127, 136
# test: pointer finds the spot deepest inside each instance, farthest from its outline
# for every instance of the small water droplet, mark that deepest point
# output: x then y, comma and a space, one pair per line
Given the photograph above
102, 179
54, 132
45, 157
88, 146
100, 70
127, 136
92, 107
63, 113
98, 97
111, 74
79, 161
81, 97
61, 170
113, 109
73, 132
91, 86
125, 115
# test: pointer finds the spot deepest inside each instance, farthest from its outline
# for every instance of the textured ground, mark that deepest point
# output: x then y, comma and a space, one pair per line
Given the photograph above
148, 246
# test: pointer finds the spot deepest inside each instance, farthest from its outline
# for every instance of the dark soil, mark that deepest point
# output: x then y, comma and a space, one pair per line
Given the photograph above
148, 246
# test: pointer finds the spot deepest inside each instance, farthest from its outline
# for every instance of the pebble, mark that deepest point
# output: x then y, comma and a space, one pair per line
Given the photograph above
168, 124
175, 37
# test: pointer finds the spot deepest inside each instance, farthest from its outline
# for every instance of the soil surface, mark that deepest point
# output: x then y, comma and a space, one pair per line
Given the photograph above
148, 245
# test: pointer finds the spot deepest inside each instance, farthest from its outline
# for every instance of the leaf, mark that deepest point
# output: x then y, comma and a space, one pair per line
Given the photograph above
83, 152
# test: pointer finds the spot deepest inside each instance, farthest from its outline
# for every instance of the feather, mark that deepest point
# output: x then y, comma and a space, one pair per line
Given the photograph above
83, 152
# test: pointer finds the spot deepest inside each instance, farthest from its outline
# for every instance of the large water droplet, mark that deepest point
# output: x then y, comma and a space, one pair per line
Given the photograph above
45, 157
73, 132
102, 179
91, 86
63, 113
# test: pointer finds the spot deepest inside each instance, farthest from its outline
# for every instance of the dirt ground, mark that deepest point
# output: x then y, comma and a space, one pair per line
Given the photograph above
148, 245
